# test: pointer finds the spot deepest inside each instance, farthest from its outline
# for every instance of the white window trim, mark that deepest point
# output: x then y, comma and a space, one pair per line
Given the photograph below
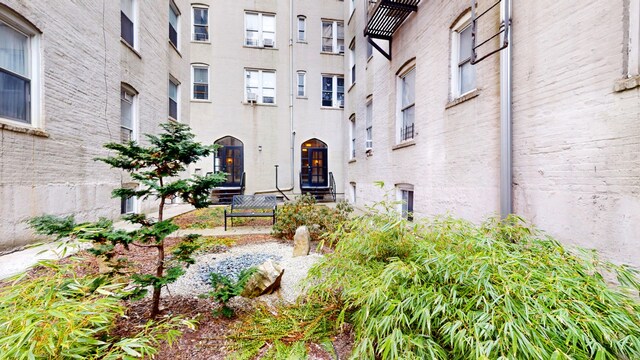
399, 108
193, 77
352, 7
334, 91
634, 39
334, 36
193, 24
174, 7
400, 188
352, 62
368, 123
352, 137
353, 192
178, 92
136, 16
260, 95
304, 29
261, 29
456, 85
304, 84
35, 70
134, 111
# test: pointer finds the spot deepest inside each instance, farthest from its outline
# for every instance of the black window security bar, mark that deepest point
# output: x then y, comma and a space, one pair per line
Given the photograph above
384, 17
502, 30
406, 132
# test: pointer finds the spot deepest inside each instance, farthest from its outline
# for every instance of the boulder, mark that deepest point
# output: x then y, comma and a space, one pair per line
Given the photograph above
265, 280
301, 242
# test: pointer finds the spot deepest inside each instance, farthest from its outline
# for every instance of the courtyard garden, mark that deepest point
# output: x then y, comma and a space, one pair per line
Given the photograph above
340, 285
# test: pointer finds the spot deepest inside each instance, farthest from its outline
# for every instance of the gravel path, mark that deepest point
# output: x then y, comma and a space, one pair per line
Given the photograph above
230, 263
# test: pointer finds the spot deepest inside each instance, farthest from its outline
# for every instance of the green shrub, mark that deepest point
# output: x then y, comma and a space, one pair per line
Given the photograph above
319, 219
451, 290
224, 288
61, 316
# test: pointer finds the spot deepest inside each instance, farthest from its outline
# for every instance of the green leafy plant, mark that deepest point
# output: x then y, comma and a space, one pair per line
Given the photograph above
156, 168
319, 219
61, 316
224, 288
448, 289
286, 329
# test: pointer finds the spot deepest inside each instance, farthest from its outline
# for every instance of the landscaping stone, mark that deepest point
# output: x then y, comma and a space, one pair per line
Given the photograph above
264, 281
301, 242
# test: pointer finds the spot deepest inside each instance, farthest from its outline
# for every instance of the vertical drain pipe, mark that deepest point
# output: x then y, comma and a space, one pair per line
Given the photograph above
292, 132
506, 165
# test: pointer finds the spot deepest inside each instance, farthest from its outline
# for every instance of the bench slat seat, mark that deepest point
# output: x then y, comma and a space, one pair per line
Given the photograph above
245, 206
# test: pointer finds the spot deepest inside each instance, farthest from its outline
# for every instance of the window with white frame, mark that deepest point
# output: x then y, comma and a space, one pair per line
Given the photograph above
302, 28
633, 61
128, 23
302, 83
260, 86
174, 22
333, 36
200, 76
19, 70
405, 198
406, 105
353, 192
352, 61
463, 72
200, 24
174, 87
128, 204
369, 49
368, 142
128, 121
260, 29
352, 7
352, 136
333, 91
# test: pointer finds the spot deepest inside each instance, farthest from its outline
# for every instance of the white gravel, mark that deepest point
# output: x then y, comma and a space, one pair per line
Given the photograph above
295, 270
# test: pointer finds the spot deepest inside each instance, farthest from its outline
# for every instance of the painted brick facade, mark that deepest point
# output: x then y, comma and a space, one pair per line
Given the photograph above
51, 170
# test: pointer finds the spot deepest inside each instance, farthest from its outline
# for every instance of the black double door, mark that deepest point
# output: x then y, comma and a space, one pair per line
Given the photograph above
314, 172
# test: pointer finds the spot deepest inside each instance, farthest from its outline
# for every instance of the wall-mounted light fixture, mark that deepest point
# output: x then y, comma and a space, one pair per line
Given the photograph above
259, 147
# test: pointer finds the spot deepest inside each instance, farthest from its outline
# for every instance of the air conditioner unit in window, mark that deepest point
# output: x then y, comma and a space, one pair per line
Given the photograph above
267, 42
341, 49
341, 103
252, 97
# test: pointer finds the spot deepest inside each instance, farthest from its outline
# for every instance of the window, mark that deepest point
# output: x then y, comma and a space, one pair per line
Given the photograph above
127, 115
352, 7
128, 13
260, 30
302, 29
127, 205
352, 135
352, 60
261, 86
369, 49
333, 37
19, 69
332, 91
464, 74
302, 80
407, 102
174, 16
200, 24
368, 143
405, 196
174, 87
200, 76
353, 192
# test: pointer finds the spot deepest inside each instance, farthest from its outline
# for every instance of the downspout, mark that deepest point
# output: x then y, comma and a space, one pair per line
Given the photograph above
506, 164
292, 132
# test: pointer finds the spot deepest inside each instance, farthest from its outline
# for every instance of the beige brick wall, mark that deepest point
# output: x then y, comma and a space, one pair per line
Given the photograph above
576, 150
83, 65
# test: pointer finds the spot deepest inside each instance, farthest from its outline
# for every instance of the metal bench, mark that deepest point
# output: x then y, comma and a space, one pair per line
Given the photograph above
247, 206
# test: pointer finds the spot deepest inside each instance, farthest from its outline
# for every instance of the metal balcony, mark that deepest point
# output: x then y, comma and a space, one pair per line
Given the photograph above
384, 17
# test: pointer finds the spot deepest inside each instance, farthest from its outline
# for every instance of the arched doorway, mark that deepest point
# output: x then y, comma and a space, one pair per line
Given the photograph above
314, 169
229, 158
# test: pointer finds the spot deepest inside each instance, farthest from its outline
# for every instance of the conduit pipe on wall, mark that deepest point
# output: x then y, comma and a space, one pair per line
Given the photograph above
506, 164
292, 133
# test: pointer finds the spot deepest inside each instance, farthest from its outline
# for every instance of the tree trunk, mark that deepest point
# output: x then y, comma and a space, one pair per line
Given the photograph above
155, 306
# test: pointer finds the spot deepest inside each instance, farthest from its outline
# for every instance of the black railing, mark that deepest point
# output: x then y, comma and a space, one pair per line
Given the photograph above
406, 133
126, 29
332, 186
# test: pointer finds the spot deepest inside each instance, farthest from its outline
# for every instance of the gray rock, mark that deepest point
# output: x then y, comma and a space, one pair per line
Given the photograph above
301, 242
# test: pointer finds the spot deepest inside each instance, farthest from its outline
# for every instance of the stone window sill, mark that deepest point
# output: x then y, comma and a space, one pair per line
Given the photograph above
466, 97
20, 128
352, 161
123, 42
404, 144
626, 84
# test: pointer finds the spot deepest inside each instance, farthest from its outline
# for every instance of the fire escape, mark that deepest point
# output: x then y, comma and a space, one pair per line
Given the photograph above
384, 17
